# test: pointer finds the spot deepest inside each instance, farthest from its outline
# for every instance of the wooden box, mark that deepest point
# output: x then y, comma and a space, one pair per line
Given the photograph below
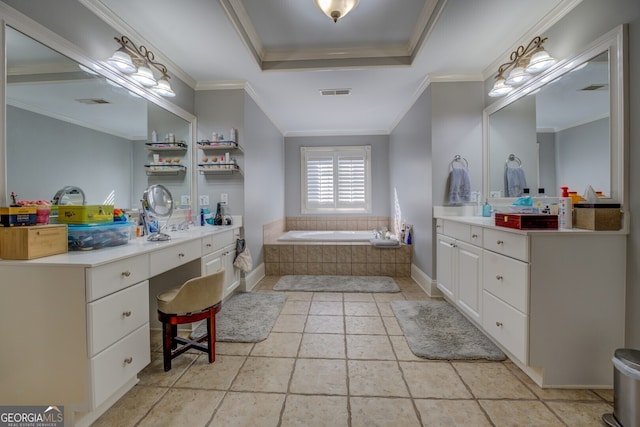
527, 221
28, 242
598, 216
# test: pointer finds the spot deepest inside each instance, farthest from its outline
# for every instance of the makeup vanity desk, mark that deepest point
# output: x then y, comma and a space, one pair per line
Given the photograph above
553, 300
75, 326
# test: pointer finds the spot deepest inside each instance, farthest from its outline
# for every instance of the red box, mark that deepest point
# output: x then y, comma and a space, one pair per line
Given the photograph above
527, 221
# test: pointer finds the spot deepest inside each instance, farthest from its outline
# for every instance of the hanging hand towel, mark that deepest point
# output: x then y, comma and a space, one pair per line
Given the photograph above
514, 181
459, 186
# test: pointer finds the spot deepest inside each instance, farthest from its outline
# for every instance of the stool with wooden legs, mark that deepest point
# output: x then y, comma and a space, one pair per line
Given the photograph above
197, 299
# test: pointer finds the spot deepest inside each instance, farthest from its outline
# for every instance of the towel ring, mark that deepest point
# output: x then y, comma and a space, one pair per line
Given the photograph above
512, 158
459, 159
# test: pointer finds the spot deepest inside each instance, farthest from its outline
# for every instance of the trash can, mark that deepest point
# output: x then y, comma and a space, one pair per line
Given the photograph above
626, 389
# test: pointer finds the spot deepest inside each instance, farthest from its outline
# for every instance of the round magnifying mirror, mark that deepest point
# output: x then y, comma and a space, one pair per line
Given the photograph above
158, 201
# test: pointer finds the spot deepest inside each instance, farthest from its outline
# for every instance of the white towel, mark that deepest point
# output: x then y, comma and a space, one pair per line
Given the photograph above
385, 243
459, 186
514, 181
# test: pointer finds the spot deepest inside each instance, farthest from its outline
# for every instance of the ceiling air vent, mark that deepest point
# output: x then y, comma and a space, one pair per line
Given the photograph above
335, 92
92, 101
595, 87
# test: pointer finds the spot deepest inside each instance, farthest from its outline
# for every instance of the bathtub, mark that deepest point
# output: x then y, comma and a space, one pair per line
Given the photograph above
326, 236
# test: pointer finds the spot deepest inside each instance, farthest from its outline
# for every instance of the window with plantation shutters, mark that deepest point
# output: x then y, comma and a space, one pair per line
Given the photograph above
336, 179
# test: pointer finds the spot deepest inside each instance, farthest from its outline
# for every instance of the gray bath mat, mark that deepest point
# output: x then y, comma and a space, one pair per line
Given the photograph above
246, 317
337, 284
437, 330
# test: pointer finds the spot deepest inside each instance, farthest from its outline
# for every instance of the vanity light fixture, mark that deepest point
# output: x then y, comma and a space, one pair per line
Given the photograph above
525, 63
336, 9
138, 63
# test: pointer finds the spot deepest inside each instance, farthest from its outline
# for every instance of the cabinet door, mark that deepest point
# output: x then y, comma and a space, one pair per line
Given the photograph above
232, 274
212, 262
445, 263
469, 275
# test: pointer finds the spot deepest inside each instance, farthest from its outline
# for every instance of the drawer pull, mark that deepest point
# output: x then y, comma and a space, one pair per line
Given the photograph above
498, 324
128, 360
208, 245
500, 242
180, 254
126, 273
437, 225
499, 277
474, 236
454, 245
126, 314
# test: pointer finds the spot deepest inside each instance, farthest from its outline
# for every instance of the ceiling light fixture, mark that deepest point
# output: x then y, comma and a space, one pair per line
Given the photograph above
336, 9
525, 63
138, 63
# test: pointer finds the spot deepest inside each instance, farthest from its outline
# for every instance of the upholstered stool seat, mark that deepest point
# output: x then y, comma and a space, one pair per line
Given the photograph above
197, 299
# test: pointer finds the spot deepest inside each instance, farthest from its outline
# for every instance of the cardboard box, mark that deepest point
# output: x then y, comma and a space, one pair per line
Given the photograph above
20, 215
85, 214
527, 221
30, 242
598, 216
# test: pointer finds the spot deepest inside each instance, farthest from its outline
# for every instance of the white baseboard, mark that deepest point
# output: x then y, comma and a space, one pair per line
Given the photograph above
250, 280
427, 284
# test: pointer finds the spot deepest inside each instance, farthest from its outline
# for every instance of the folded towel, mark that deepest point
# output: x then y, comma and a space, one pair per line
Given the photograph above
385, 243
514, 181
459, 186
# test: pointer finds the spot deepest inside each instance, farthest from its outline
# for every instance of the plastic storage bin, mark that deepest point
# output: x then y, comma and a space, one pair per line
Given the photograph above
90, 237
85, 214
626, 389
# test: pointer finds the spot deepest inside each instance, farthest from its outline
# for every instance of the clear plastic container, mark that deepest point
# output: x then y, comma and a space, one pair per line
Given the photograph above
91, 237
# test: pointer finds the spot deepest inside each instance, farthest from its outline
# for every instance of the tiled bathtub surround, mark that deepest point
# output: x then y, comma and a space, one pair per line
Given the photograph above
332, 258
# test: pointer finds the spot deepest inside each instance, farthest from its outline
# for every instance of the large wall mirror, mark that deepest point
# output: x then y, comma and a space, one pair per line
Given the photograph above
67, 125
565, 128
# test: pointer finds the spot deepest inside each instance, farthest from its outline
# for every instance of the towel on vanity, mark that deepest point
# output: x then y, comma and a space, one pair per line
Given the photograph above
385, 243
459, 186
514, 181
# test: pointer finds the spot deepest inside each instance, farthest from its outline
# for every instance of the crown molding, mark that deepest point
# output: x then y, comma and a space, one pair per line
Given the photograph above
425, 24
424, 84
222, 85
353, 132
452, 77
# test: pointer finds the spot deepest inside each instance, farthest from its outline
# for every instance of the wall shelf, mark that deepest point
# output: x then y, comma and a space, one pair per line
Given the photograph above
166, 146
165, 169
218, 168
218, 145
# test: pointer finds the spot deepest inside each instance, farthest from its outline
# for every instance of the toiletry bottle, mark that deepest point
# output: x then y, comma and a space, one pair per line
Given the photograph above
564, 214
202, 217
232, 135
486, 209
154, 136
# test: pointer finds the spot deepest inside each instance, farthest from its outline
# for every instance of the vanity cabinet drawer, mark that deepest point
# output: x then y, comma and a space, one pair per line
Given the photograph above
476, 235
507, 279
217, 241
458, 231
109, 278
116, 315
506, 325
173, 256
118, 364
506, 243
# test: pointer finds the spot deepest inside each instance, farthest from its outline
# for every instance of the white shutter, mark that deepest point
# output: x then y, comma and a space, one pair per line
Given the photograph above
320, 181
351, 181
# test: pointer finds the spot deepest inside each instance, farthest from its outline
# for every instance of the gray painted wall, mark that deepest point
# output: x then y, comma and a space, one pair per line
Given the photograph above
264, 175
411, 179
547, 163
379, 168
588, 21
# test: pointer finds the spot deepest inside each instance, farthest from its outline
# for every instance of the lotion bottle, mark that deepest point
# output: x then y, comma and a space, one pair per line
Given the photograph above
486, 209
564, 217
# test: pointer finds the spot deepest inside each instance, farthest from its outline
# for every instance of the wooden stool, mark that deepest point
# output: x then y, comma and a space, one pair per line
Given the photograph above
197, 299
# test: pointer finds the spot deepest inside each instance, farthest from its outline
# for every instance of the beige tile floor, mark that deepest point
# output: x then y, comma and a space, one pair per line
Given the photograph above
339, 359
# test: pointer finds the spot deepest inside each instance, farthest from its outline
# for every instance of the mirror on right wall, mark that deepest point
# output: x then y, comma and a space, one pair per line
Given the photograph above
565, 127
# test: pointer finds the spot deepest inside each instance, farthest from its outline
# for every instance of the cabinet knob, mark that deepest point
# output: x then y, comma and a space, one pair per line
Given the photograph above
499, 277
437, 225
454, 245
498, 324
208, 245
128, 360
500, 242
126, 273
180, 254
474, 236
126, 314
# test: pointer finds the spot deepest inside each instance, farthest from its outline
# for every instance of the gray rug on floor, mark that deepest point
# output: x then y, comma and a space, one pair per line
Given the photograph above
437, 330
246, 317
337, 284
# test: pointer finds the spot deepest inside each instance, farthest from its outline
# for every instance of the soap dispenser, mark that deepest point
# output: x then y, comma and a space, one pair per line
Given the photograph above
486, 209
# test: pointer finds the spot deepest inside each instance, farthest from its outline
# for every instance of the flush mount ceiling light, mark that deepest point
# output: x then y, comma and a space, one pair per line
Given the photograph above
525, 63
336, 9
139, 63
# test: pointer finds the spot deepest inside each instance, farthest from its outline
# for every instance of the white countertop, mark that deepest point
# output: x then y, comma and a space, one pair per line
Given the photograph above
136, 246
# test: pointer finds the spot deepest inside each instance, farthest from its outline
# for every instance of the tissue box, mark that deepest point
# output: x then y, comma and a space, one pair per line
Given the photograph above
527, 221
31, 242
598, 216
